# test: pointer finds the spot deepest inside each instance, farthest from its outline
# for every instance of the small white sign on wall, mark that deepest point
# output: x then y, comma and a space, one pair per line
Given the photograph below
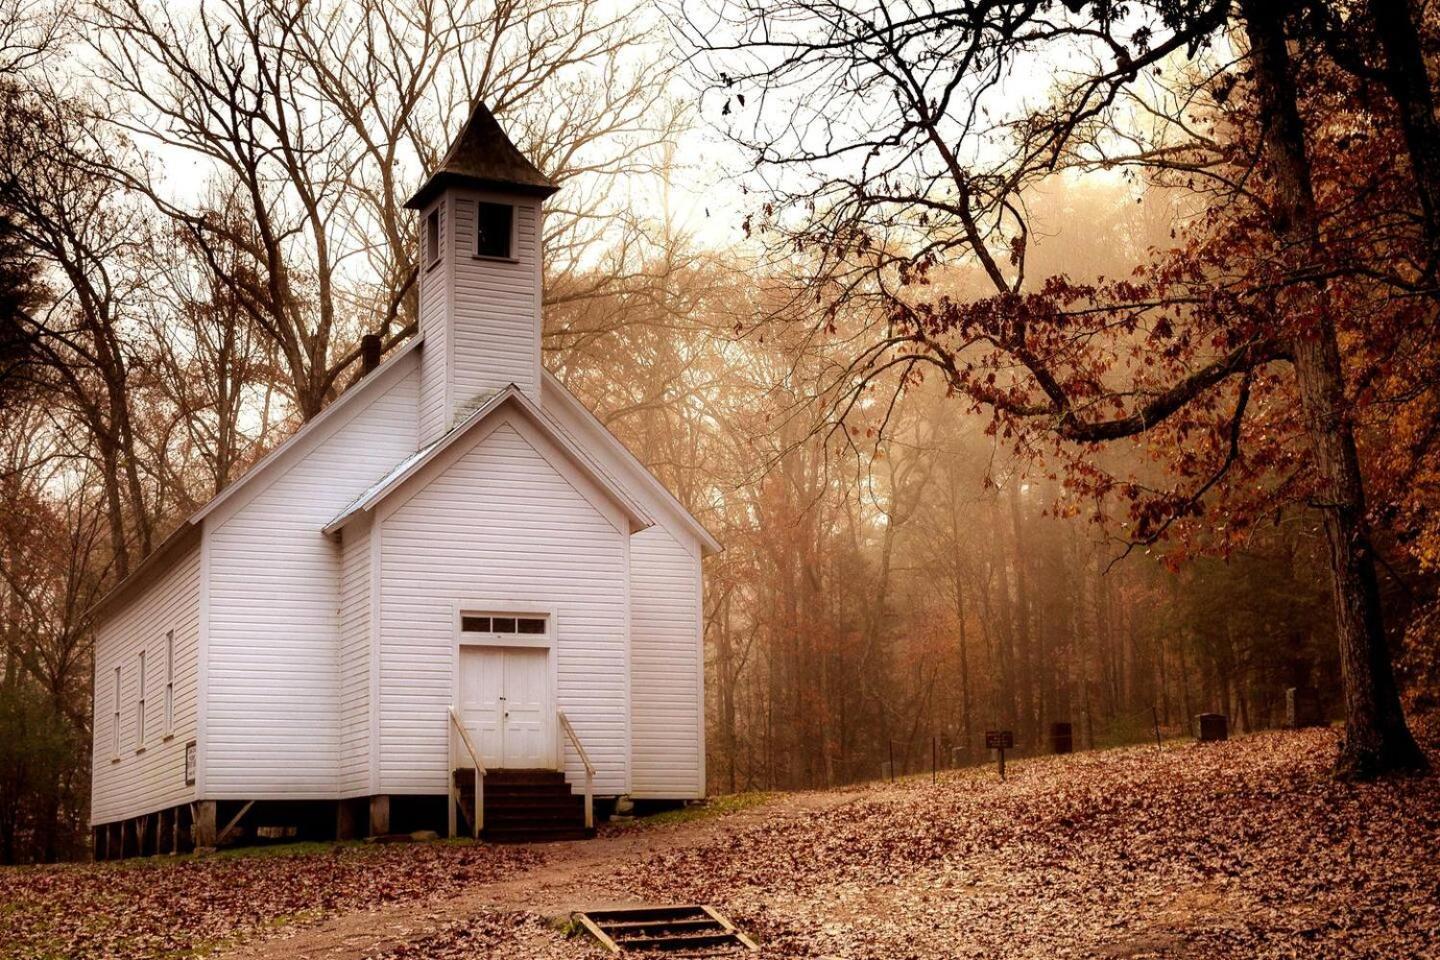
190, 764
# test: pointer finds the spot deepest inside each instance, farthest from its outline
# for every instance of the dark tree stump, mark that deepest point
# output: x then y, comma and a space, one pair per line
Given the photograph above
1213, 726
1302, 708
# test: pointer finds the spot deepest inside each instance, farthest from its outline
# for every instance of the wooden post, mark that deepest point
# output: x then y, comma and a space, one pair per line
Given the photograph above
175, 831
345, 828
1156, 714
379, 815
1000, 741
934, 761
205, 816
890, 746
478, 823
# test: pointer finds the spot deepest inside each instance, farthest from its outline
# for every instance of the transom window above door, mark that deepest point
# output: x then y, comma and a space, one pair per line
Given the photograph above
483, 623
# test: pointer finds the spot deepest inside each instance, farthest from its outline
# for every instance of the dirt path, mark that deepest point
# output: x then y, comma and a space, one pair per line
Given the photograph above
573, 876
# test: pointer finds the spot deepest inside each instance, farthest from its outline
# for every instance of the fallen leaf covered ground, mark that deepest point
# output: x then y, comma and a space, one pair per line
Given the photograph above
1243, 849
161, 908
1246, 849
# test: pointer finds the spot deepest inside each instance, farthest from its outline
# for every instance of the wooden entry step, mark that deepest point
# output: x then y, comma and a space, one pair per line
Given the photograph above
525, 806
681, 930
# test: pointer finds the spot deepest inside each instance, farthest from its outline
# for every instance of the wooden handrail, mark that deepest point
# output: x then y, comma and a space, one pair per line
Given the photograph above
589, 768
465, 738
477, 823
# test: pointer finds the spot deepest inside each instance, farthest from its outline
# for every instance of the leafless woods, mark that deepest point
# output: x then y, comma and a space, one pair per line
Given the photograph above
1010, 295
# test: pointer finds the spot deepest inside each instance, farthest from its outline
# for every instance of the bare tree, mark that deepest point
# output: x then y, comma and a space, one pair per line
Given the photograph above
317, 119
1376, 737
218, 374
86, 234
896, 155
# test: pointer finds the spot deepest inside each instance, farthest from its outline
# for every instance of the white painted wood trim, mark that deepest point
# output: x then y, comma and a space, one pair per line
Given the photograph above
553, 664
503, 608
202, 664
538, 346
447, 199
629, 680
377, 554
701, 771
506, 640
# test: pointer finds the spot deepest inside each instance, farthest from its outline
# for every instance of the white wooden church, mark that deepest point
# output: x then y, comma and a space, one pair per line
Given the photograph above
453, 581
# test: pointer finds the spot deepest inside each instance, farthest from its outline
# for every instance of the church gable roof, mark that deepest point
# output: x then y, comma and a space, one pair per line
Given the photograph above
482, 156
562, 395
513, 397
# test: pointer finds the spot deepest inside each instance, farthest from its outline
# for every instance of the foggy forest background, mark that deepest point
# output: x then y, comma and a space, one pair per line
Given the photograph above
202, 216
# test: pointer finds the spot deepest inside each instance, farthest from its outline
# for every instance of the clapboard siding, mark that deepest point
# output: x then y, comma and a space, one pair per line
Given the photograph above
495, 309
435, 325
665, 666
140, 783
355, 660
328, 661
273, 720
502, 517
667, 652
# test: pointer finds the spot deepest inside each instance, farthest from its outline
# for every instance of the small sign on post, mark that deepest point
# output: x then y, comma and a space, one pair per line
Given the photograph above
1000, 741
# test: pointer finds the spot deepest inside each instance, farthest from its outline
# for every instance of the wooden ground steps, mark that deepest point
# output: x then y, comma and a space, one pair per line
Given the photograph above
681, 930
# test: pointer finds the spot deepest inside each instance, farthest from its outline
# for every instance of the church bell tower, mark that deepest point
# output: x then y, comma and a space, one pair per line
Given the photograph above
480, 274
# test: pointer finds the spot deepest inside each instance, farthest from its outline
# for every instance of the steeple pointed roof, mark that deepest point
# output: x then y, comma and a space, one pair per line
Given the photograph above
483, 157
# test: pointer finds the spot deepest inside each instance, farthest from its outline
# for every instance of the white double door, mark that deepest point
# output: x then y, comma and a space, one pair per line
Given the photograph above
506, 705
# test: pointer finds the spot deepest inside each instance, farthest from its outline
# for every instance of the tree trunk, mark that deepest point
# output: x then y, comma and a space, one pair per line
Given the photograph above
1376, 737
1004, 637
1158, 644
727, 676
966, 723
114, 505
1021, 676
1408, 83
